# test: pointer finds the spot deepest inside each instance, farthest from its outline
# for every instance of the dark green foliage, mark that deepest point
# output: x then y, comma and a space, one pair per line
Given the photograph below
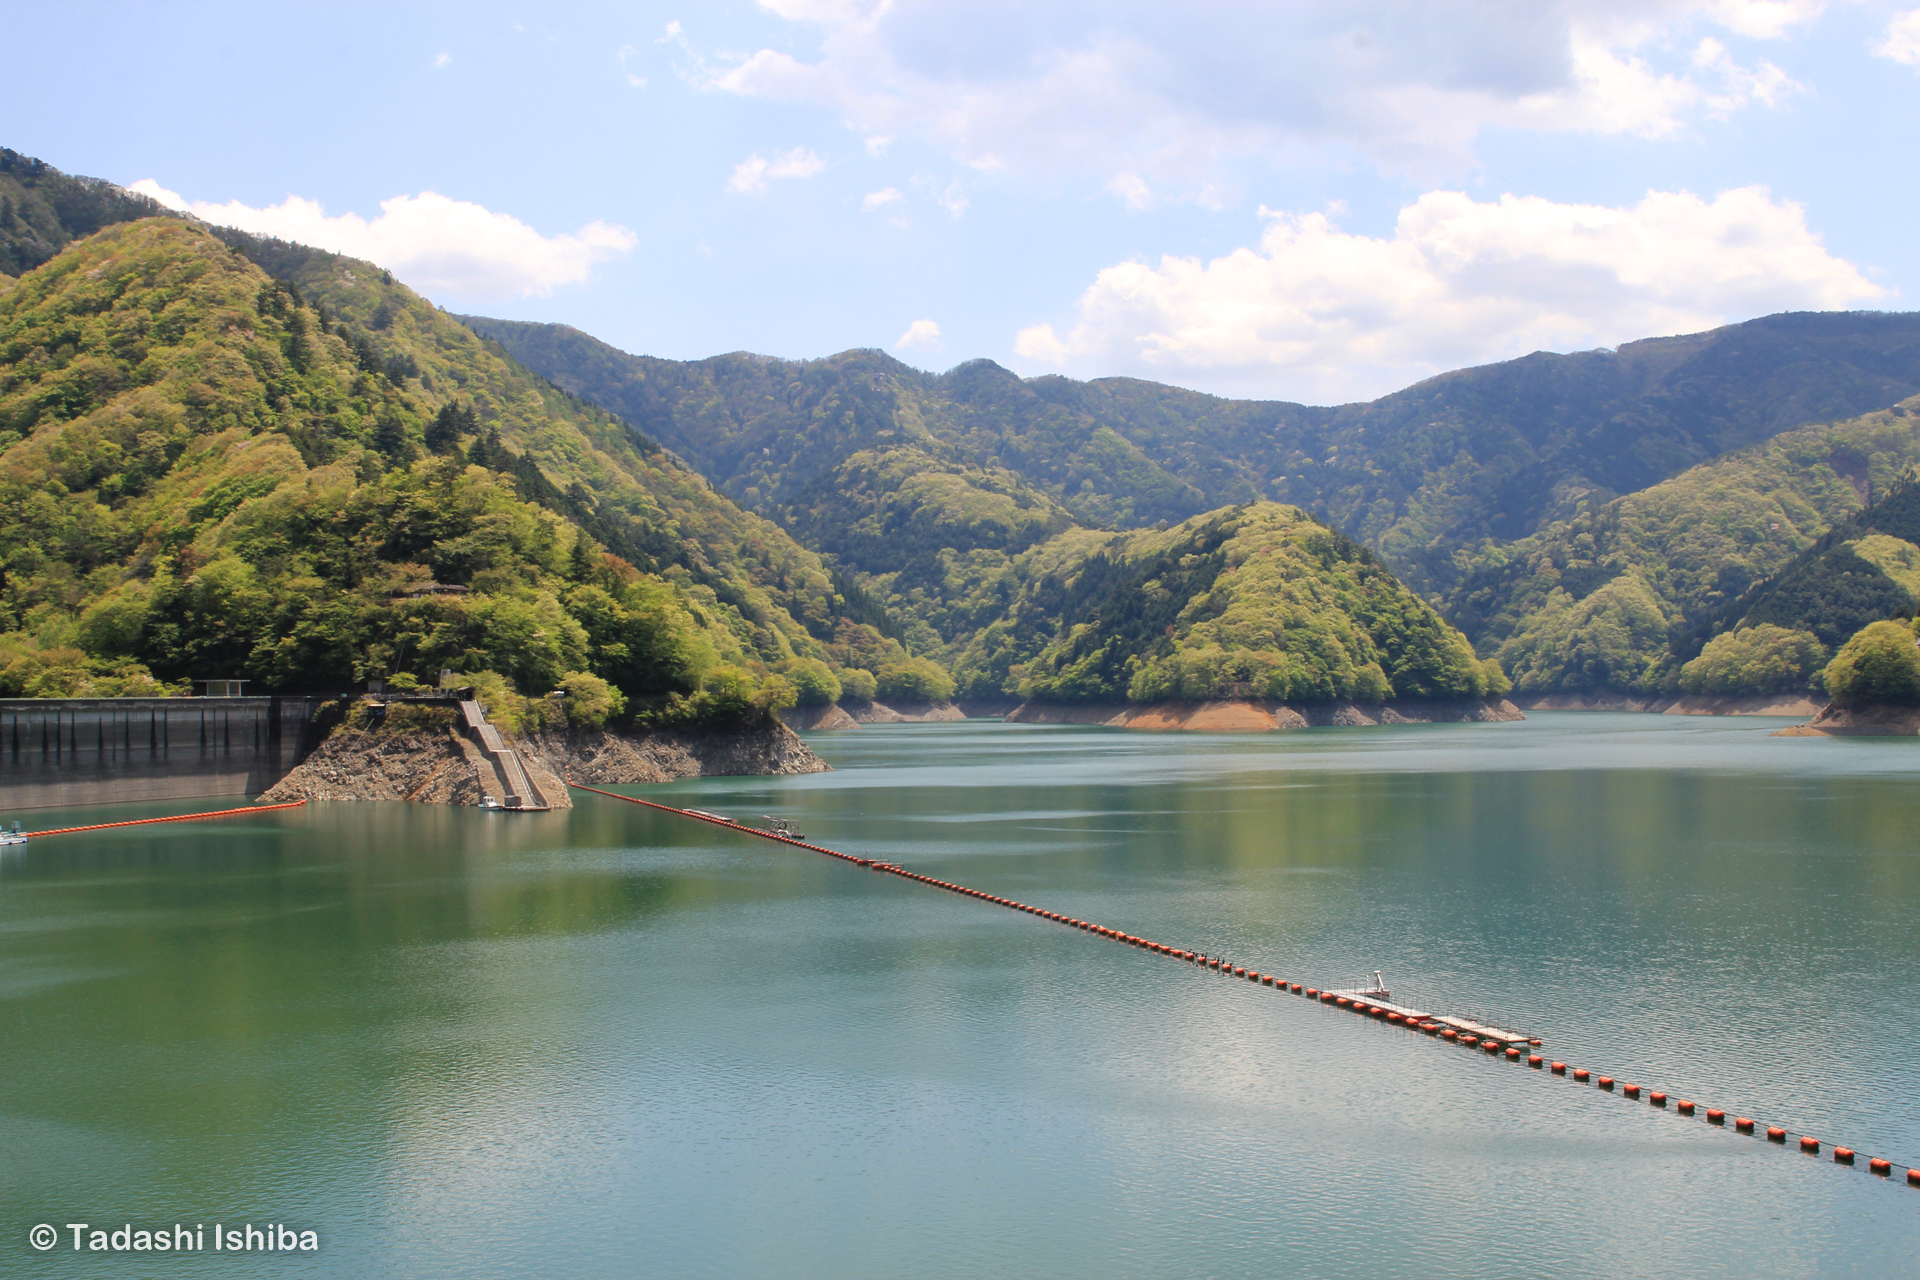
42, 210
1877, 666
1832, 594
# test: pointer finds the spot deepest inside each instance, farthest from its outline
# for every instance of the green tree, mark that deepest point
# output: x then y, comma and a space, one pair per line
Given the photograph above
1762, 659
1879, 665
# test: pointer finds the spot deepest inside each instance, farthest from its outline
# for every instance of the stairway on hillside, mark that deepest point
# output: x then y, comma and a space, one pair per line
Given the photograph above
521, 793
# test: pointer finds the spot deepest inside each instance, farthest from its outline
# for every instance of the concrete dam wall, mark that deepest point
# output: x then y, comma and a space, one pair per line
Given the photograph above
87, 751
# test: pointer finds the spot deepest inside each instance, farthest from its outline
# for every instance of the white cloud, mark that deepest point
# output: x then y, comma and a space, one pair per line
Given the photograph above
750, 176
439, 246
876, 199
622, 54
1901, 40
921, 333
1318, 313
440, 61
1150, 97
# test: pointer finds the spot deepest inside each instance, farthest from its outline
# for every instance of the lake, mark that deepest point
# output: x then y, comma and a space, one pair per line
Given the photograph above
614, 1041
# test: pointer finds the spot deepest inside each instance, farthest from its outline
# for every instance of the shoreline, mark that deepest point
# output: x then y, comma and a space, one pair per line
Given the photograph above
1262, 715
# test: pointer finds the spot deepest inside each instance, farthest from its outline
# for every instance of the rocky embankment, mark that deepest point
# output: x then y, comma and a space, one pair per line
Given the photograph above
853, 715
426, 765
439, 766
597, 757
1255, 715
1857, 722
1764, 704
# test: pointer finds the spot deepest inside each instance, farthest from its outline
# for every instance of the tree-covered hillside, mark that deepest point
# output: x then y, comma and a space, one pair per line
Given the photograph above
42, 210
1258, 600
1623, 595
208, 471
1425, 475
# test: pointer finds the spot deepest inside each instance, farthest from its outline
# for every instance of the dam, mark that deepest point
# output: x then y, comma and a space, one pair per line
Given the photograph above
87, 751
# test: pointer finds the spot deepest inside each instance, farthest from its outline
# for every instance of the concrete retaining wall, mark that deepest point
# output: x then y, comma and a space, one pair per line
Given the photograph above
88, 751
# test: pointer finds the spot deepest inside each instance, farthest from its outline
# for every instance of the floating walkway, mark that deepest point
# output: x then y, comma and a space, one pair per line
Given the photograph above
1495, 1042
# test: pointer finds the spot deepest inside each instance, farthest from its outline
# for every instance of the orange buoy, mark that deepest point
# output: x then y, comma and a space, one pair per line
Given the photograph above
1559, 1068
1657, 1099
1581, 1074
1239, 973
1534, 1043
1449, 1034
1605, 1082
1879, 1166
1394, 1017
1776, 1134
1716, 1116
1632, 1090
1810, 1145
1535, 1061
1491, 1046
1296, 989
1431, 1028
1913, 1177
1470, 1041
1513, 1054
1684, 1107
1842, 1155
1742, 1124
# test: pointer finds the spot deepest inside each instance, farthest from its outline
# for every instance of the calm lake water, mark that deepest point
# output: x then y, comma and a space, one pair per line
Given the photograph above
614, 1042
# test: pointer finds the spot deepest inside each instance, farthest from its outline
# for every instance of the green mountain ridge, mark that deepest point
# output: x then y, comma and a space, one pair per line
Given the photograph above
1429, 476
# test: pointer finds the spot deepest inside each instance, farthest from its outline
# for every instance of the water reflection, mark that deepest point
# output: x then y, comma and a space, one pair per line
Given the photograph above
569, 1044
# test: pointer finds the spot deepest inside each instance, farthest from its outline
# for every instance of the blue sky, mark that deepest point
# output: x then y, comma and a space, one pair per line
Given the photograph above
1302, 201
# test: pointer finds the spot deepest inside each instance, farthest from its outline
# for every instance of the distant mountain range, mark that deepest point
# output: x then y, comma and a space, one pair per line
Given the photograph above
1424, 476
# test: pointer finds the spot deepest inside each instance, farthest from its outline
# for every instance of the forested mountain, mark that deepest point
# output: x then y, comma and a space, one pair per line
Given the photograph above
1623, 595
1258, 600
1427, 476
206, 470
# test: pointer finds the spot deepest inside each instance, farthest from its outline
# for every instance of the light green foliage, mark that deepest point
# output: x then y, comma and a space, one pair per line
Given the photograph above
202, 472
591, 701
858, 684
1897, 558
913, 680
1255, 601
814, 684
1762, 659
29, 671
1688, 547
1879, 665
1615, 638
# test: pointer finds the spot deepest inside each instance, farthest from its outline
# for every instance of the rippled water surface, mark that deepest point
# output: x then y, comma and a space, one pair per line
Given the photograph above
618, 1042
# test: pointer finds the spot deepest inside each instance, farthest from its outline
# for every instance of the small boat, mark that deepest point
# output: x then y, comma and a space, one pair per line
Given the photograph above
492, 804
711, 817
15, 836
782, 828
